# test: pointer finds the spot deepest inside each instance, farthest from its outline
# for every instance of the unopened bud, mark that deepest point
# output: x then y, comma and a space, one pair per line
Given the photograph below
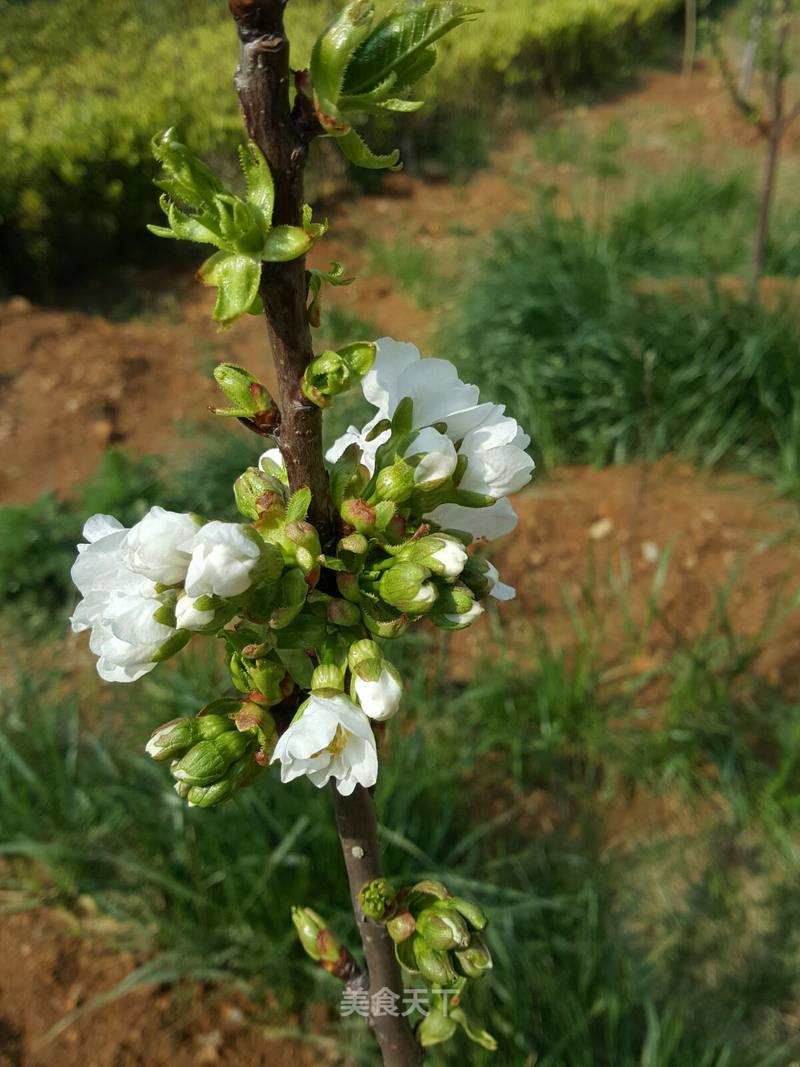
348, 586
359, 514
440, 553
343, 613
207, 761
401, 926
240, 774
434, 966
476, 959
249, 397
303, 541
406, 587
378, 688
472, 912
309, 926
435, 1028
328, 676
251, 487
396, 482
442, 929
456, 608
175, 738
376, 898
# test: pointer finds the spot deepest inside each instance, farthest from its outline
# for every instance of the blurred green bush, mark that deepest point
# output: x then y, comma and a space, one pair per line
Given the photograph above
84, 86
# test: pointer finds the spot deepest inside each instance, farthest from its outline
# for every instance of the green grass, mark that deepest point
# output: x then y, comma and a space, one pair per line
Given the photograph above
565, 324
667, 950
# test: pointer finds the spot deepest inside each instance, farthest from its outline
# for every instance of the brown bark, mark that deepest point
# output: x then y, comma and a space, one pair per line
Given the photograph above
358, 833
283, 135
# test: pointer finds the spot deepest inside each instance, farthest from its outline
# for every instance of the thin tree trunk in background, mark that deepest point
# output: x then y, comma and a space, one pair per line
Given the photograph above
751, 48
690, 38
283, 135
776, 130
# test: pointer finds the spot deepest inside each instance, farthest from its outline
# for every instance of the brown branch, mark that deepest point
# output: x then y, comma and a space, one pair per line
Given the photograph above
262, 82
358, 832
283, 135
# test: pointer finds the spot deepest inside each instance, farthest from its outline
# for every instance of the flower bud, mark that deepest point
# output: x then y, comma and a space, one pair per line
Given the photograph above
359, 514
328, 676
265, 676
476, 959
477, 577
348, 586
342, 613
395, 482
440, 553
435, 1028
207, 761
472, 912
310, 927
442, 929
251, 487
377, 687
376, 898
401, 926
248, 396
434, 966
240, 774
175, 738
406, 587
303, 543
362, 650
456, 608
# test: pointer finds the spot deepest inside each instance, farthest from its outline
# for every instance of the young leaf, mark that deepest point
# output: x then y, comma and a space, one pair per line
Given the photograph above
397, 40
369, 106
334, 48
257, 175
298, 506
285, 243
357, 152
186, 177
236, 278
335, 276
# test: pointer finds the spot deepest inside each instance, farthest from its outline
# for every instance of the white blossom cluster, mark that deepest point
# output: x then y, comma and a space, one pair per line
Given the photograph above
147, 589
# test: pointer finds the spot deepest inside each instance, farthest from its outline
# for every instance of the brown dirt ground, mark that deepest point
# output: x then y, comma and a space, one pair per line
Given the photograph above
72, 384
50, 968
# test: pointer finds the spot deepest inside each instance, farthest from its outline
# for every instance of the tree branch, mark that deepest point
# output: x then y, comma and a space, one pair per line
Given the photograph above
283, 135
358, 832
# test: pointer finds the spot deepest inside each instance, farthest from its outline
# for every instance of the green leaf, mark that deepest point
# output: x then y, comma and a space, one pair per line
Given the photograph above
335, 276
335, 46
185, 177
237, 278
415, 67
399, 38
350, 104
298, 665
297, 508
257, 175
285, 243
384, 513
189, 227
357, 152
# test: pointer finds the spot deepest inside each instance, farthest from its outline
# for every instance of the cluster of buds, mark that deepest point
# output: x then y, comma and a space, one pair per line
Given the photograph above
440, 938
217, 752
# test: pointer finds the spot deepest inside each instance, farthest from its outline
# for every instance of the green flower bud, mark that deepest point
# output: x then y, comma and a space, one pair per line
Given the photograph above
328, 676
343, 613
434, 966
435, 1028
172, 645
240, 774
442, 929
207, 761
310, 926
333, 373
250, 488
396, 482
175, 738
472, 912
376, 898
348, 586
362, 650
476, 576
476, 959
406, 587
250, 398
303, 542
442, 554
456, 607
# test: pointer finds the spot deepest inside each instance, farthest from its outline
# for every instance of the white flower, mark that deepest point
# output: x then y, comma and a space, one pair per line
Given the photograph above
492, 442
451, 558
499, 590
224, 556
466, 617
438, 460
332, 738
379, 699
189, 617
118, 604
152, 545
